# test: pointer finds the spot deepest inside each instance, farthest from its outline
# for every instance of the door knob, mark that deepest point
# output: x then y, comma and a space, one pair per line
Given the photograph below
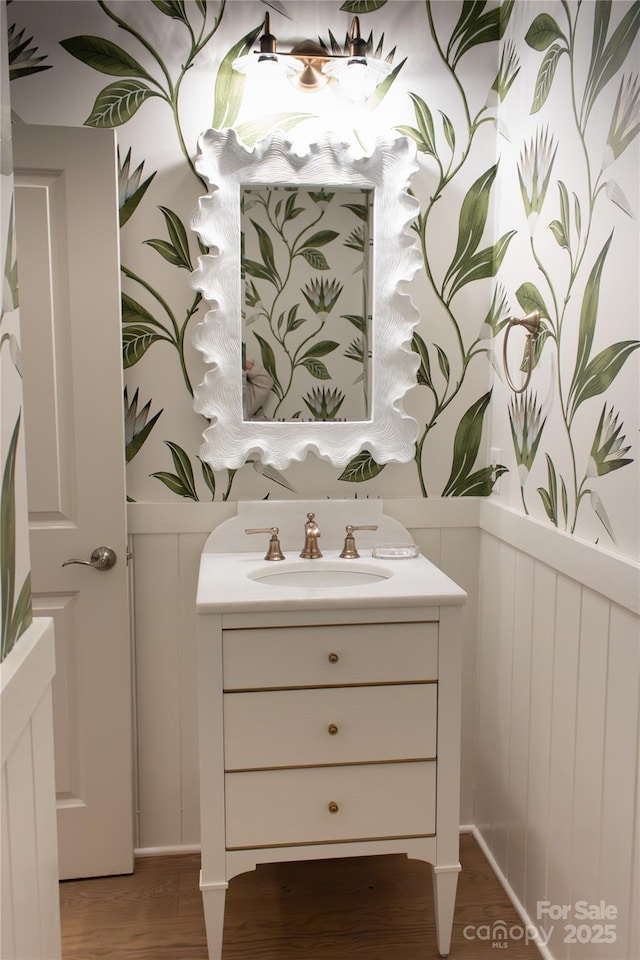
102, 558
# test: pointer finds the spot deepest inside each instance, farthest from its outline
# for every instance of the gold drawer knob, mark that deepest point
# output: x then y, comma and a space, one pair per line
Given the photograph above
333, 658
332, 729
333, 807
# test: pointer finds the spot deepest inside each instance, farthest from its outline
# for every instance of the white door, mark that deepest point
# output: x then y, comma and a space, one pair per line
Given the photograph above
69, 290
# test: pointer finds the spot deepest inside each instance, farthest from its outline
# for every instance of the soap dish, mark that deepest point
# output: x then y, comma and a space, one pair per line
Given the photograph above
395, 551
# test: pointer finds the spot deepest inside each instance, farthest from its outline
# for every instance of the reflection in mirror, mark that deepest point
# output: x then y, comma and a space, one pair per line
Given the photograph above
307, 342
306, 276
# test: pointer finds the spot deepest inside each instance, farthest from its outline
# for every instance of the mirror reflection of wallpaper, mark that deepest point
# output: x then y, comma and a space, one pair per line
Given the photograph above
306, 256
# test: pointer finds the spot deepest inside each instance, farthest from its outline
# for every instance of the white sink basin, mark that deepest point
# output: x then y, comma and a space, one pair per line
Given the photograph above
235, 578
322, 575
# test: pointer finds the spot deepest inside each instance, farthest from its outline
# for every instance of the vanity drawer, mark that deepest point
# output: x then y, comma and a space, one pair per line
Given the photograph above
330, 804
288, 728
328, 656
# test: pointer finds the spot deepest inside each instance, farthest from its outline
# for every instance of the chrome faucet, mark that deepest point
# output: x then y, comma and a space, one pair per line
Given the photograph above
311, 550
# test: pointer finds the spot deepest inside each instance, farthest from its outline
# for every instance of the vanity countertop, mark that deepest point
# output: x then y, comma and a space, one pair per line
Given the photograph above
225, 584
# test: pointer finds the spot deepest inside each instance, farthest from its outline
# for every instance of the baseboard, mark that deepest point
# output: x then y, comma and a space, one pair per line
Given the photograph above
527, 922
177, 851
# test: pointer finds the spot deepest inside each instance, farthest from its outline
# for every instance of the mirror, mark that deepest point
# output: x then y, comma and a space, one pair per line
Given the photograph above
305, 312
308, 340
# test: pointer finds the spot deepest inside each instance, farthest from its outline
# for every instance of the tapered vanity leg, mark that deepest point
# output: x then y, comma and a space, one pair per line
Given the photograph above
213, 896
445, 882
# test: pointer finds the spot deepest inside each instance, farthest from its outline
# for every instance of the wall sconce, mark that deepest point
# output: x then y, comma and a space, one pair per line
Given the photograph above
310, 65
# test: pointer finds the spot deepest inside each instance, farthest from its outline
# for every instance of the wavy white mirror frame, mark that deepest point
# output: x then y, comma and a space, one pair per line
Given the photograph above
228, 166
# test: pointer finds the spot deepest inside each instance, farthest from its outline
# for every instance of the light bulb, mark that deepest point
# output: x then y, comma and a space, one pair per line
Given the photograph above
265, 64
358, 76
357, 82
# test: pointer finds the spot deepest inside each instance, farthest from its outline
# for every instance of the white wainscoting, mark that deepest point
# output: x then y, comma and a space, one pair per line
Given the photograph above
550, 698
556, 798
30, 908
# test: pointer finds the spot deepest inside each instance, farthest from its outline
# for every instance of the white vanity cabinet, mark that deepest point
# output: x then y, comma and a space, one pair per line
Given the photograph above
329, 728
316, 763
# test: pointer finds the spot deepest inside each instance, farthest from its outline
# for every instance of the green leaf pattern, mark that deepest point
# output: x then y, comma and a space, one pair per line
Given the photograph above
461, 264
571, 308
118, 102
104, 56
16, 611
462, 480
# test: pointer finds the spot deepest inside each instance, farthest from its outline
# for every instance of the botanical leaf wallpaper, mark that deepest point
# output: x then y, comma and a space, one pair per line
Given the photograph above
574, 430
525, 117
15, 571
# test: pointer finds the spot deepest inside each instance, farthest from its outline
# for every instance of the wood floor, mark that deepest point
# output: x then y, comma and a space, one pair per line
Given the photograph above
373, 908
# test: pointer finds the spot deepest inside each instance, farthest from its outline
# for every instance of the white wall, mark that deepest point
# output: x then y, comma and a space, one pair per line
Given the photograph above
556, 732
29, 906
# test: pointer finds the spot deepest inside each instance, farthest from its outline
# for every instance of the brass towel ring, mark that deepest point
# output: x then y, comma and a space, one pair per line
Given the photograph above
531, 323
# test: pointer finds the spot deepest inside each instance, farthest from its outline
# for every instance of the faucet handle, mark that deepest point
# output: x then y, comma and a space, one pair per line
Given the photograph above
349, 551
274, 551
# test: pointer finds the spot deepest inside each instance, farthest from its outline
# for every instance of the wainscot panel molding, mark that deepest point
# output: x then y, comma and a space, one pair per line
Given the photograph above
556, 735
607, 573
178, 517
29, 910
202, 517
